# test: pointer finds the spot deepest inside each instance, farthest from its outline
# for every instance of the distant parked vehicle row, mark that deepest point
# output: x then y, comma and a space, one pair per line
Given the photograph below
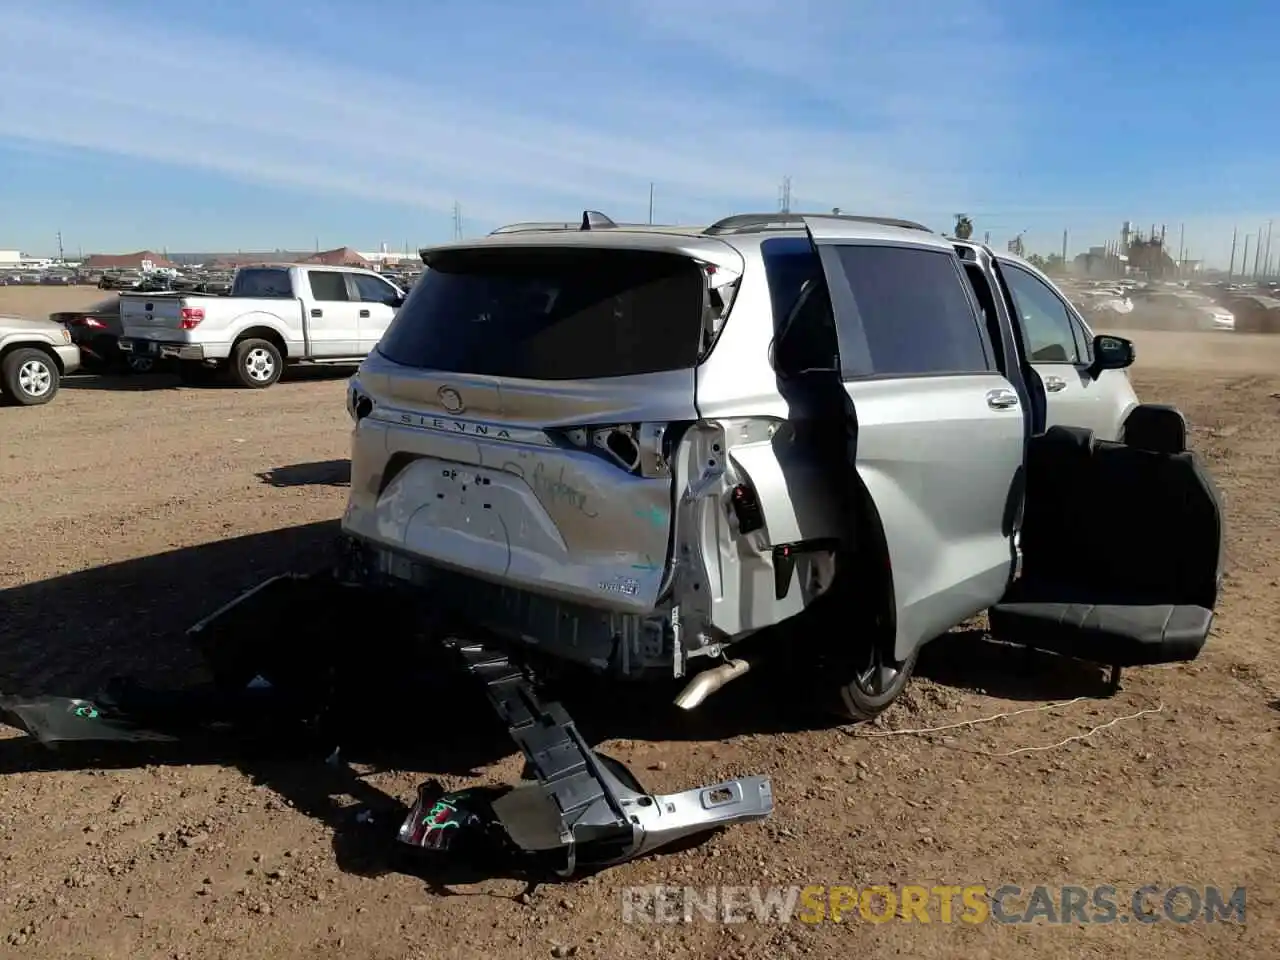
38, 278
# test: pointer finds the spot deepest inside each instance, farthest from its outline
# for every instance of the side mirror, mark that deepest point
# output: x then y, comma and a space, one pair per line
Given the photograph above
1112, 353
396, 302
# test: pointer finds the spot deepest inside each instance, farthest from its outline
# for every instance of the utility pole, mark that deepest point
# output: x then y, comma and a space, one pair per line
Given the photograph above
1257, 253
651, 203
1231, 270
784, 195
1182, 239
1064, 249
61, 258
1244, 260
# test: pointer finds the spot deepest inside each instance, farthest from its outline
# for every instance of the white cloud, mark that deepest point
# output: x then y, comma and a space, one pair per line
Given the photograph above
885, 128
914, 108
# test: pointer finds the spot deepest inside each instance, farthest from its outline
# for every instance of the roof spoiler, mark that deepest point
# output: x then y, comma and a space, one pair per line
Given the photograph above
591, 220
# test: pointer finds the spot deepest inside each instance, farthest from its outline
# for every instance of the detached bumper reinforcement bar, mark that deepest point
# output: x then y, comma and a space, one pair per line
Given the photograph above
581, 802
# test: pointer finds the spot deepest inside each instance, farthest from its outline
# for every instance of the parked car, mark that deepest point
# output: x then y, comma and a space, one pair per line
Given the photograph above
34, 356
1255, 314
96, 331
119, 280
274, 315
642, 450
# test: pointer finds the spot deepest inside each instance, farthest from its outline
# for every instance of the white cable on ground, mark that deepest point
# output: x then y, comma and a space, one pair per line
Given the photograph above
926, 731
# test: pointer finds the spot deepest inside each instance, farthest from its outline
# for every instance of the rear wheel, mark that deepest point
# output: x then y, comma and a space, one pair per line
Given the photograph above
849, 668
869, 679
139, 364
256, 363
29, 377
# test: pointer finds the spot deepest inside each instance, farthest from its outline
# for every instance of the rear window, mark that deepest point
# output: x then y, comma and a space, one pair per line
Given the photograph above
263, 284
547, 314
789, 262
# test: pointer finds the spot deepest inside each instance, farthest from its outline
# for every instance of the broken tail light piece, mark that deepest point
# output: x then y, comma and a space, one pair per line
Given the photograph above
640, 448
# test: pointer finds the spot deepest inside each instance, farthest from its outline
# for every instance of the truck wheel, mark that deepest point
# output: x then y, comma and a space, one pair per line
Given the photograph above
29, 377
256, 363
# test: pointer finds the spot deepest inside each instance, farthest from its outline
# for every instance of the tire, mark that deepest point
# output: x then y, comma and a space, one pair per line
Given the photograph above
29, 377
139, 365
196, 374
256, 364
857, 701
850, 673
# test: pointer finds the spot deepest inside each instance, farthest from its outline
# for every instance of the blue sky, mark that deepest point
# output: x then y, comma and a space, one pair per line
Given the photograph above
256, 126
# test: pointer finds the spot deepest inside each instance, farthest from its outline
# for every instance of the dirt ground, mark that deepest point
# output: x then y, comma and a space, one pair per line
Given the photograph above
131, 508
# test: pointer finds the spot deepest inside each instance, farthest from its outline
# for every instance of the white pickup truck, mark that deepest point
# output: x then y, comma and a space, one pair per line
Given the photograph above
275, 315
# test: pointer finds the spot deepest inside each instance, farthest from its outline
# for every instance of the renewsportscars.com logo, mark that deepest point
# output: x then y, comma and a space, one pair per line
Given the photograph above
935, 903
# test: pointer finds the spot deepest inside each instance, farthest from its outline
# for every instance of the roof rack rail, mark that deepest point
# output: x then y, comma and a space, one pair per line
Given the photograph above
753, 222
591, 220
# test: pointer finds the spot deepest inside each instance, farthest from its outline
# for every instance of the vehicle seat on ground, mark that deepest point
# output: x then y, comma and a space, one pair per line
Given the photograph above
1122, 546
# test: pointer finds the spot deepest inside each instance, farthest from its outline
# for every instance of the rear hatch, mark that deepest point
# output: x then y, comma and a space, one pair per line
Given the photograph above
526, 400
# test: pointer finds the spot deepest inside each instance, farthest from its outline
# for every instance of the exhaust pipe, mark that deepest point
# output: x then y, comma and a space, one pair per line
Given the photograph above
709, 681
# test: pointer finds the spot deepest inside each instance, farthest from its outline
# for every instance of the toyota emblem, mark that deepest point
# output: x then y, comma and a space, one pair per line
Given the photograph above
450, 399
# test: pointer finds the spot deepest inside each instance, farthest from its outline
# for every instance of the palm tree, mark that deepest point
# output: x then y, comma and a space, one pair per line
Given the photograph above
964, 226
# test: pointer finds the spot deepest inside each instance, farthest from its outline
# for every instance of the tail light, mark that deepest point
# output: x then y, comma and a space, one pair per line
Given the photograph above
746, 508
92, 322
191, 317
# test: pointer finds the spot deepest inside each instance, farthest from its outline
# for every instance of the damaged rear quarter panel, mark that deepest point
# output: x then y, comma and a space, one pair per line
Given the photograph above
724, 580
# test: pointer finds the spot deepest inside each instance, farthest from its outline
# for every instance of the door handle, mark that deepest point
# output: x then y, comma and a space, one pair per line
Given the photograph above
1054, 384
317, 312
1001, 399
364, 314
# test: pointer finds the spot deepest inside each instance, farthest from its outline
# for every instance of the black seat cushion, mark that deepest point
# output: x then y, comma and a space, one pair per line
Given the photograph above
1122, 548
1157, 427
1124, 634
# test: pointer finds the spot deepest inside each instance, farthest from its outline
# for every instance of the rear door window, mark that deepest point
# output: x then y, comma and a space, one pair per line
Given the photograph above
908, 313
327, 286
551, 314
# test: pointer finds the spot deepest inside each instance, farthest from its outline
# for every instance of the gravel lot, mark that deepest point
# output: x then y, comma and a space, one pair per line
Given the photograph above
132, 507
